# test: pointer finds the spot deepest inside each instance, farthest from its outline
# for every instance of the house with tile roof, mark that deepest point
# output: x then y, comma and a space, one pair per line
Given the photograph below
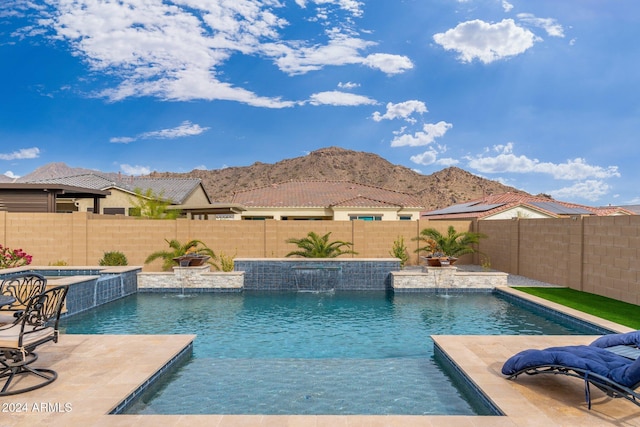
516, 205
326, 200
180, 193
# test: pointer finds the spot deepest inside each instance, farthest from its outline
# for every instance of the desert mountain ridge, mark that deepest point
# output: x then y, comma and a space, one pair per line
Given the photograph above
438, 190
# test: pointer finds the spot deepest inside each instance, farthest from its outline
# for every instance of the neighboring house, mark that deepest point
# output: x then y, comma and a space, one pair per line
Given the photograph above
46, 198
180, 193
326, 200
514, 205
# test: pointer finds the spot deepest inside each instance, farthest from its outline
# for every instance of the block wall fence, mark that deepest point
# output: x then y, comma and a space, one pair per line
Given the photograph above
592, 254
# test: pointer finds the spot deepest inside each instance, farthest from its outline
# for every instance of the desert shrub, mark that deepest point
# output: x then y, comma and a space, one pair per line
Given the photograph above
226, 262
113, 258
399, 250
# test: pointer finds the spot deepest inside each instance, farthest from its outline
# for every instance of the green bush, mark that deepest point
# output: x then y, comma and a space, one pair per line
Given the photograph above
399, 250
113, 258
226, 262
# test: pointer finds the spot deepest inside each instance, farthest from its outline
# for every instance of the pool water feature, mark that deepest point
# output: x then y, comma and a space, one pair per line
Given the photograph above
317, 279
312, 353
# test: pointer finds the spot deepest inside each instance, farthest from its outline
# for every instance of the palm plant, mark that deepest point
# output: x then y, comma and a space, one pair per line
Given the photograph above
453, 244
315, 246
178, 249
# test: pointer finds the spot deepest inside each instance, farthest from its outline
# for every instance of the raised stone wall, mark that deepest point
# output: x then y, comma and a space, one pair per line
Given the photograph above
193, 279
435, 278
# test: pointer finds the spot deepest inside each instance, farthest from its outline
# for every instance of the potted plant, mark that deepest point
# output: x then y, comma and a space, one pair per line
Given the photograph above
444, 249
184, 255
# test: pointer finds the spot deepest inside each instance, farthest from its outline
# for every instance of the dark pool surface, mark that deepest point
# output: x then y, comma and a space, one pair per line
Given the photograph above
312, 353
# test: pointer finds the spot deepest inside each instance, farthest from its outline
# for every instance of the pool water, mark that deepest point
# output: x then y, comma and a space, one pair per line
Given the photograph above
312, 353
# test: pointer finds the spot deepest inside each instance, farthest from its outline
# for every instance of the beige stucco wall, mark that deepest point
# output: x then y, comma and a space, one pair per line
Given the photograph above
337, 214
122, 199
518, 212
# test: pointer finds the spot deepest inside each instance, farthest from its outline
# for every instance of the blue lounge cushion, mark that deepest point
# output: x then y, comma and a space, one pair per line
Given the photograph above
610, 340
583, 358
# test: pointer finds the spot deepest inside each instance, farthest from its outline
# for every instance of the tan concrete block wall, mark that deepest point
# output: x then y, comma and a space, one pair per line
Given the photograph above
598, 254
544, 249
610, 257
497, 248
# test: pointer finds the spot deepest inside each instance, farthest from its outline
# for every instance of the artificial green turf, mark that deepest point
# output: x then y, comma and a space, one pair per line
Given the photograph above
607, 308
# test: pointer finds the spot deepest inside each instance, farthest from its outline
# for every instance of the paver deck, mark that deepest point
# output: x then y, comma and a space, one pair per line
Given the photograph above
96, 372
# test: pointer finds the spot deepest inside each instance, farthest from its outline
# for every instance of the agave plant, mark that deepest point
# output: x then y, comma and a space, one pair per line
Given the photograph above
315, 246
178, 249
453, 244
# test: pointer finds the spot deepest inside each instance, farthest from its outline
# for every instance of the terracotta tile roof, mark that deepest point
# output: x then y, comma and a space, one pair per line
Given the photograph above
175, 189
322, 194
496, 203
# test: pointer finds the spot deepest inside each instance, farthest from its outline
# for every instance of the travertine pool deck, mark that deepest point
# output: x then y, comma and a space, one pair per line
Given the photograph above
96, 372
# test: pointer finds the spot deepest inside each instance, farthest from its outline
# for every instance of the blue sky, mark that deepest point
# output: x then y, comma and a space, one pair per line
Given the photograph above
541, 95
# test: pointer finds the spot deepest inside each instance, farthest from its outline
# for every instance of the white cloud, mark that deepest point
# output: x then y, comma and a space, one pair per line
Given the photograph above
506, 6
185, 129
174, 50
387, 63
122, 139
23, 153
486, 42
11, 175
351, 6
348, 85
341, 49
427, 158
550, 25
427, 136
507, 161
340, 99
135, 170
447, 161
402, 110
590, 190
200, 168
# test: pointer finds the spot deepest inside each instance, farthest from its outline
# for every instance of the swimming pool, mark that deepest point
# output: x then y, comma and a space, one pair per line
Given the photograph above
312, 353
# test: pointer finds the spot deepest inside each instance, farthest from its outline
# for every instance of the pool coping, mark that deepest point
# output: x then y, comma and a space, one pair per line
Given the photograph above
115, 367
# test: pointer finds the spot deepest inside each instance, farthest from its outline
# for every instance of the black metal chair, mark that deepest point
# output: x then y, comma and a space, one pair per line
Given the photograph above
38, 324
21, 288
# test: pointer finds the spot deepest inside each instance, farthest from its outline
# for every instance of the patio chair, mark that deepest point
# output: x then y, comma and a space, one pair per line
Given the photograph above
21, 287
38, 324
600, 364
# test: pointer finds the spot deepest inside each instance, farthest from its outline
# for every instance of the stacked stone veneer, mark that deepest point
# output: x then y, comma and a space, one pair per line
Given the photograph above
199, 278
436, 278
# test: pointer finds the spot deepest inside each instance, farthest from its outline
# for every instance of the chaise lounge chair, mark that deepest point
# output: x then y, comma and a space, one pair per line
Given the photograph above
610, 363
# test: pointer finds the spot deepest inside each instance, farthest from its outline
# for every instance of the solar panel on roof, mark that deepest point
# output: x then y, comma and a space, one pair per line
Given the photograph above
466, 208
560, 209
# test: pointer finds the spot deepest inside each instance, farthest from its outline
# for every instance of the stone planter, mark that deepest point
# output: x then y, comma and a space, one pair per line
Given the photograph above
440, 261
191, 260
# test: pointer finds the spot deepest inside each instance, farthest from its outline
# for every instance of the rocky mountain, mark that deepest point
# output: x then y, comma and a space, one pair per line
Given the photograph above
438, 190
56, 170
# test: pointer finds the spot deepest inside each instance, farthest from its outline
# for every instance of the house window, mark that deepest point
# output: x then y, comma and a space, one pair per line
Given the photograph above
405, 217
257, 218
113, 211
366, 217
